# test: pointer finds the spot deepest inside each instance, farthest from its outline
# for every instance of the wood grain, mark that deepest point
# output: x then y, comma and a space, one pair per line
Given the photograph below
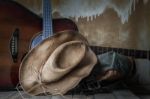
12, 16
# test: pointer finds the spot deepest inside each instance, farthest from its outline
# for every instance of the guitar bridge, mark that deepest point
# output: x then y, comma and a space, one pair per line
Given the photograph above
14, 45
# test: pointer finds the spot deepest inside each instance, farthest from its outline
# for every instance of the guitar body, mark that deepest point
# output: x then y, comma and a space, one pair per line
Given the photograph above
59, 25
12, 16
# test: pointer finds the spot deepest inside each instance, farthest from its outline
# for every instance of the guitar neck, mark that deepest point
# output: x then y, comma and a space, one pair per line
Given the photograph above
128, 52
47, 19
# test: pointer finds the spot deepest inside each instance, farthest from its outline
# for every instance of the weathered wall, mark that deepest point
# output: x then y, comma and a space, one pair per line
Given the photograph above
113, 23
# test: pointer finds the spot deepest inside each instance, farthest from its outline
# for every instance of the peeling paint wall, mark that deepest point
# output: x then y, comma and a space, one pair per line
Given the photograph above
112, 23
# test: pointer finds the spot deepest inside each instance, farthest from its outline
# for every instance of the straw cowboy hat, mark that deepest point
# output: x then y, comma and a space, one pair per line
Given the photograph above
57, 64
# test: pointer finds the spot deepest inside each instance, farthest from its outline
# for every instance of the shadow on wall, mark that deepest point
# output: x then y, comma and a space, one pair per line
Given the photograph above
112, 23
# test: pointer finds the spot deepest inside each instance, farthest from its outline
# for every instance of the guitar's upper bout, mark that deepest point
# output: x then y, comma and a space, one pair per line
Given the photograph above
63, 24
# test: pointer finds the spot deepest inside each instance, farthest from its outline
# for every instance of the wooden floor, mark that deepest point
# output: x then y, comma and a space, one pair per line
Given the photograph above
121, 94
142, 72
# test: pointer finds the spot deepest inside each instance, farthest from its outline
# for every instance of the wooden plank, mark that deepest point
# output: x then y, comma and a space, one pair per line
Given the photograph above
124, 94
57, 97
90, 97
79, 97
69, 96
104, 96
144, 97
41, 97
14, 95
120, 94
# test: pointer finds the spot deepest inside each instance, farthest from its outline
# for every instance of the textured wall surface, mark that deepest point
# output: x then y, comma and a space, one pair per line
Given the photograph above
112, 23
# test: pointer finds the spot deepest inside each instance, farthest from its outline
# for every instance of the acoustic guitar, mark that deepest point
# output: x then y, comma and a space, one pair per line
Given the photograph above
20, 32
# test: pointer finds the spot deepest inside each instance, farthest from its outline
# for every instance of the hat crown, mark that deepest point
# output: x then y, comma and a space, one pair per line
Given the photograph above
66, 57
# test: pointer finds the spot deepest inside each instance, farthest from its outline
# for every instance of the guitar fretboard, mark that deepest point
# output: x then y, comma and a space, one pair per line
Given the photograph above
47, 19
128, 52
